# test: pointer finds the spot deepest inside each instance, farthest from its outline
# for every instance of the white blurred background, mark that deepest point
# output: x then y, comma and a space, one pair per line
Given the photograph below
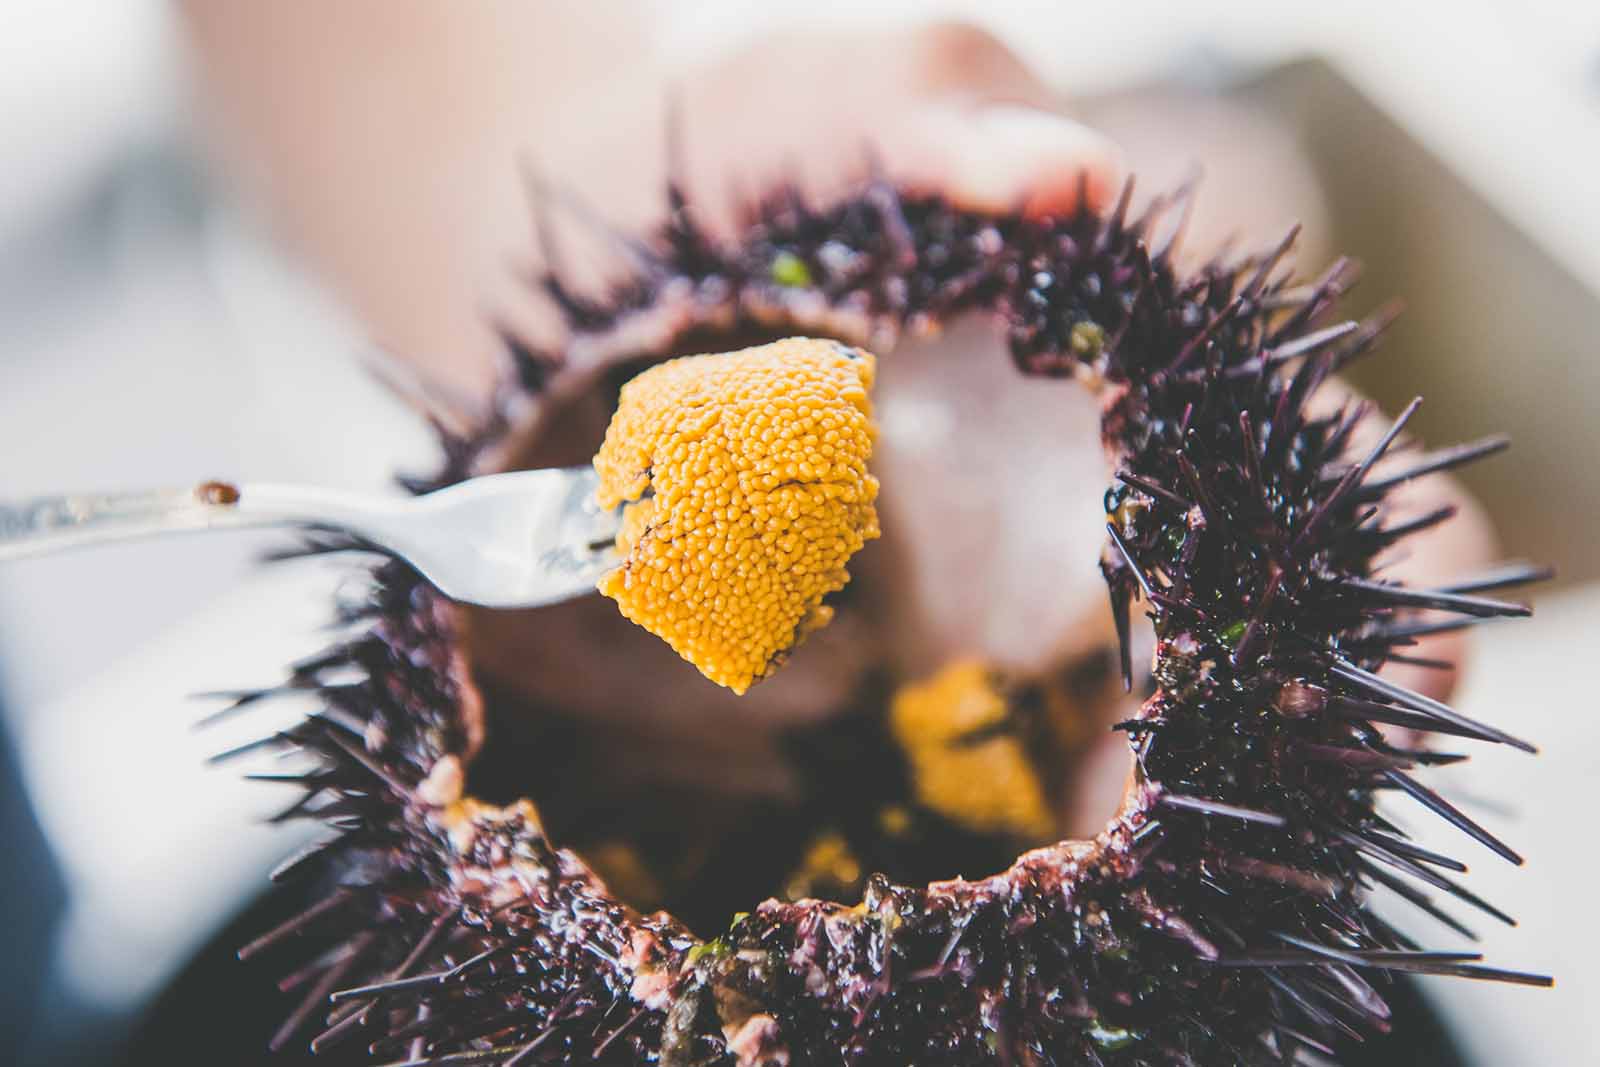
154, 331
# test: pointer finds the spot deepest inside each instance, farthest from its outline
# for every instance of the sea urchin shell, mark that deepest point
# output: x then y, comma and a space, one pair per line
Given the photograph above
1220, 917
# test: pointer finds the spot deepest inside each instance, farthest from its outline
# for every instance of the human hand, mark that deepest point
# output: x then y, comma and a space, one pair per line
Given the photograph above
411, 208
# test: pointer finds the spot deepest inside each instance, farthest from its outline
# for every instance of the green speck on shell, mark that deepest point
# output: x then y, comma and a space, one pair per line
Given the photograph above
1232, 632
1111, 1038
1086, 339
713, 949
790, 270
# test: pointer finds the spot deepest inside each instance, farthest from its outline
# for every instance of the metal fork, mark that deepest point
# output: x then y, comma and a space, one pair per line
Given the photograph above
516, 540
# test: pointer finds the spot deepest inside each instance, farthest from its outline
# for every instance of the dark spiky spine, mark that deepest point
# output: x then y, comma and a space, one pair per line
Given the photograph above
1219, 918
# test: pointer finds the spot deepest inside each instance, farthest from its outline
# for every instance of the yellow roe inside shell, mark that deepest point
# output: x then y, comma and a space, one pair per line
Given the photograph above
747, 491
962, 765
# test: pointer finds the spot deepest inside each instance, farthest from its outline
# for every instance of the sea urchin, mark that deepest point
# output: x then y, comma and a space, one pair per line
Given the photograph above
1220, 917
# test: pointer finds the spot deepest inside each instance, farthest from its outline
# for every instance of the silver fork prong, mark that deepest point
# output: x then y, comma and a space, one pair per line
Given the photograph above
566, 571
518, 539
590, 523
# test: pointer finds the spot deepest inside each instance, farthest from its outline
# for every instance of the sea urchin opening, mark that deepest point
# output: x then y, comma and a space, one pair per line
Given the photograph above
685, 797
1220, 916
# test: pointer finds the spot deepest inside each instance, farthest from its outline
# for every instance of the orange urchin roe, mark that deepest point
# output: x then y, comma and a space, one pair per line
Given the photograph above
983, 783
746, 477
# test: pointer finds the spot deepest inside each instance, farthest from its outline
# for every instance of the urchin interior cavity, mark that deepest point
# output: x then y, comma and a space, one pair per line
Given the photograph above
685, 795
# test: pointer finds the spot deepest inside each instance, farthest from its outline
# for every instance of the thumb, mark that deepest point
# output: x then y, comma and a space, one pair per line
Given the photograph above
999, 157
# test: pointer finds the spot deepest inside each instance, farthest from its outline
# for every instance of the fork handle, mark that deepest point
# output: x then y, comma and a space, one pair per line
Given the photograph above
49, 524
